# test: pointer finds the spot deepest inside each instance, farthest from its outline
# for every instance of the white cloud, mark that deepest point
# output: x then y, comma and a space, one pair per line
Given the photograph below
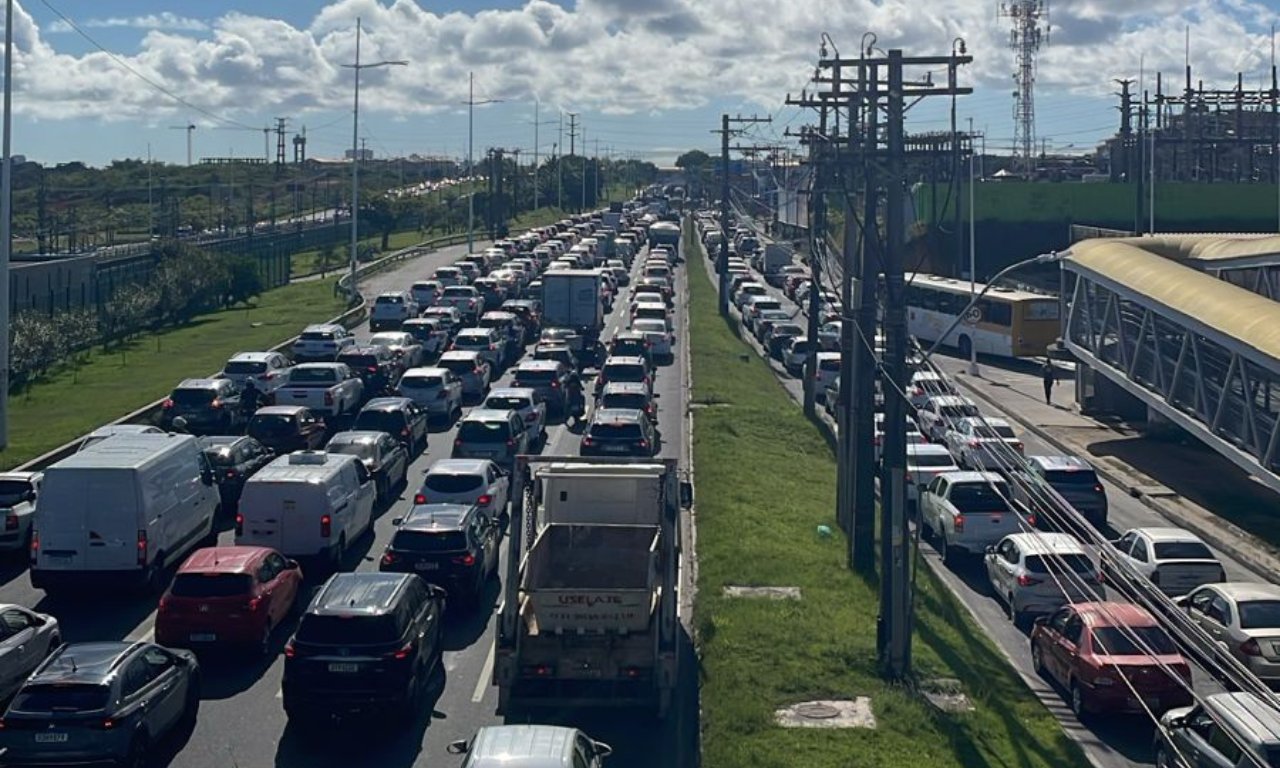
608, 55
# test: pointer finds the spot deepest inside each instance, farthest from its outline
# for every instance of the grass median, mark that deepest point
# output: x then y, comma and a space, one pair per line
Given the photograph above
107, 385
766, 482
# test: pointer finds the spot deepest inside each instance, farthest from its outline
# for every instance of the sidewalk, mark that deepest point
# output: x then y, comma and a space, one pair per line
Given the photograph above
1184, 481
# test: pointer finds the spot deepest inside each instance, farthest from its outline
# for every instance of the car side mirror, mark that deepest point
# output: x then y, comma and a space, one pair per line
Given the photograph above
1177, 722
292, 565
206, 477
1041, 620
397, 520
29, 496
38, 621
990, 550
437, 592
602, 749
458, 748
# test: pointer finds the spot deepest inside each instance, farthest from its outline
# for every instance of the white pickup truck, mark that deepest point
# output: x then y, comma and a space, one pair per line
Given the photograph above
465, 299
329, 388
966, 512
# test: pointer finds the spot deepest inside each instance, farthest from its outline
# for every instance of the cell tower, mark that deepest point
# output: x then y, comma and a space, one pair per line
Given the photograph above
1025, 40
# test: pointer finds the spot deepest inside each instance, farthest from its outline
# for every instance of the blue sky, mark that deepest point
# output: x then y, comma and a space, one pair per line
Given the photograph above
648, 78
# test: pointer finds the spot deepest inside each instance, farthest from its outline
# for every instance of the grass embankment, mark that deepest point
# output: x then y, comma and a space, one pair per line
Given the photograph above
766, 481
108, 385
308, 262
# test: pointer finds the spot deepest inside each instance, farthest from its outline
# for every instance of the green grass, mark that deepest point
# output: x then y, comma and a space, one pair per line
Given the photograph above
108, 385
766, 481
307, 262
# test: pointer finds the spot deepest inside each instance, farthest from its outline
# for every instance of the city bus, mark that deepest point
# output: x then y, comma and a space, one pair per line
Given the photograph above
1004, 323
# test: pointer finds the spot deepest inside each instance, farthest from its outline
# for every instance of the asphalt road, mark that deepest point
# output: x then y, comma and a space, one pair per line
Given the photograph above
241, 720
1110, 742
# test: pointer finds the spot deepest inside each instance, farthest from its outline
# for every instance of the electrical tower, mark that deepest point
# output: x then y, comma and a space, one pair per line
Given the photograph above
281, 122
1025, 40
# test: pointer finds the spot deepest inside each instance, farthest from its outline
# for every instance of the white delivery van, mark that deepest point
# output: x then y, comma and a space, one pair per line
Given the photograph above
124, 509
307, 504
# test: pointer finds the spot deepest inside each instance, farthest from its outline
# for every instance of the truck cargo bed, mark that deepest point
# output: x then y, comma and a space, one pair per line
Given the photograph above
591, 578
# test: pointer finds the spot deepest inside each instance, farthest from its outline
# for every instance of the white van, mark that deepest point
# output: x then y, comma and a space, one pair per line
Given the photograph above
122, 510
307, 504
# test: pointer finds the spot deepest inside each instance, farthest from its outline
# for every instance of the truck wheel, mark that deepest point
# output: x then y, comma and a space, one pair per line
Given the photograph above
948, 553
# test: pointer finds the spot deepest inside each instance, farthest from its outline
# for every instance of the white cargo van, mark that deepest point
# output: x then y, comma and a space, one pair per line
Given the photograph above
122, 510
307, 504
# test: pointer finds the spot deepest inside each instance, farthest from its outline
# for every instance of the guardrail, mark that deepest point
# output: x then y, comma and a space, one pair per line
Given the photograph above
351, 318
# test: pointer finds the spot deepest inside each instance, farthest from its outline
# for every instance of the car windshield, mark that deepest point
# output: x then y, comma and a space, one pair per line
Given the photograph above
459, 291
787, 329
386, 339
476, 431
504, 403
616, 430
72, 697
651, 313
317, 336
244, 368
626, 372
994, 432
347, 630
1082, 477
1259, 614
390, 300
1182, 550
536, 375
471, 341
628, 347
459, 366
311, 376
211, 584
220, 457
629, 400
930, 460
363, 449
979, 497
957, 411
429, 541
447, 482
421, 382
1132, 641
649, 326
271, 425
192, 396
359, 361
390, 422
830, 364
11, 490
1059, 563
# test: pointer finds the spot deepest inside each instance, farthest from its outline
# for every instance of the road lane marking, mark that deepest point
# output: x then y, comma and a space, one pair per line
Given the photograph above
486, 675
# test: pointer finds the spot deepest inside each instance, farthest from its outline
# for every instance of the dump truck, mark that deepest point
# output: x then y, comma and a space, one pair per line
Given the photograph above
589, 614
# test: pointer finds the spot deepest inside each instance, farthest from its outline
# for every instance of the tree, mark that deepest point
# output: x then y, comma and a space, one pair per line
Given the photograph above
693, 160
244, 280
381, 214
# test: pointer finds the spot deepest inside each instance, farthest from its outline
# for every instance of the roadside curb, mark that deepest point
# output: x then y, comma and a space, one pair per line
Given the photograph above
1220, 534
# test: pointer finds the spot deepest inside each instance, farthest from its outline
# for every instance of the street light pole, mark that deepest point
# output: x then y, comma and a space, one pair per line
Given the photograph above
355, 158
6, 223
471, 140
973, 252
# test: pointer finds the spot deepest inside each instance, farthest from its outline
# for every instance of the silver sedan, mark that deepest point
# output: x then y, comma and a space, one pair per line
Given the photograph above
1243, 618
26, 638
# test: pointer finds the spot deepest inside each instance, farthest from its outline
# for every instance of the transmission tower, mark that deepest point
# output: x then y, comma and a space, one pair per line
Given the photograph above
1025, 40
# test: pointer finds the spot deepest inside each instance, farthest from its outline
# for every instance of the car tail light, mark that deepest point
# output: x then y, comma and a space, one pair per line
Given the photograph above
105, 724
372, 369
11, 522
476, 371
543, 670
555, 385
973, 443
958, 522
289, 650
239, 525
253, 603
419, 498
1250, 647
167, 404
216, 403
586, 440
35, 545
388, 557
328, 398
1031, 520
643, 443
1100, 577
1026, 581
403, 652
484, 499
326, 526
467, 559
142, 547
404, 432
457, 441
1097, 488
1017, 445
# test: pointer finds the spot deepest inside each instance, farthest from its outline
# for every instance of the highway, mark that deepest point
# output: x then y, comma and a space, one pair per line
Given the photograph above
241, 721
1110, 742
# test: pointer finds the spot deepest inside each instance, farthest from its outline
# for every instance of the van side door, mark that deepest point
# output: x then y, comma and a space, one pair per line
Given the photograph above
363, 494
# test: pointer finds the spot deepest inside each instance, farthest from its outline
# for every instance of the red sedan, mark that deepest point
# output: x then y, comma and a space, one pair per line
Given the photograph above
228, 596
1110, 657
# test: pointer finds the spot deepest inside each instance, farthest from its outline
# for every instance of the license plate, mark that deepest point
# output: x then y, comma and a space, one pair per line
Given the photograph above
616, 448
426, 566
203, 637
344, 667
58, 555
51, 738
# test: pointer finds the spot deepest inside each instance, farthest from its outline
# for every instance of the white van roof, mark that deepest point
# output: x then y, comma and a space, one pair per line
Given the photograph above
128, 451
302, 467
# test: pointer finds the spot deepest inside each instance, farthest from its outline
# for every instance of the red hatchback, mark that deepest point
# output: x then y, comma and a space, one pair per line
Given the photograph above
228, 596
1110, 657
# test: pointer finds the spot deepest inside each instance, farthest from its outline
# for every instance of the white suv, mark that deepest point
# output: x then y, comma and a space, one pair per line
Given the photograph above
391, 309
1037, 573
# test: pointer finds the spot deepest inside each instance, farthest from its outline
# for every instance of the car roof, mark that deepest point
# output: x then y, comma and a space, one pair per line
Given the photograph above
459, 467
488, 414
425, 517
946, 399
974, 477
460, 354
1046, 543
627, 335
542, 365
499, 314
350, 436
357, 349
369, 593
1249, 714
476, 331
387, 404
91, 663
624, 360
279, 410
625, 387
927, 449
20, 476
200, 383
1063, 463
1168, 534
615, 415
522, 746
252, 357
513, 392
324, 327
431, 370
1113, 614
1247, 590
985, 421
223, 559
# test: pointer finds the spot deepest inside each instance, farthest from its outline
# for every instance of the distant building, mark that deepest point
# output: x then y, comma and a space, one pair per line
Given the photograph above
365, 154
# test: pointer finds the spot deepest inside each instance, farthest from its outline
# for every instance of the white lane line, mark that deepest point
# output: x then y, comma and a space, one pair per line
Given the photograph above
486, 675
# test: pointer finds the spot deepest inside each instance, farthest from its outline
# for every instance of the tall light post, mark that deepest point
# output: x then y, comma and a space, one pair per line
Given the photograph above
355, 157
973, 250
6, 225
471, 138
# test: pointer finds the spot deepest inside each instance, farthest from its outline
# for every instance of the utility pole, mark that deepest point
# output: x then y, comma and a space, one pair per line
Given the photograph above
722, 260
817, 252
573, 132
281, 122
189, 128
864, 360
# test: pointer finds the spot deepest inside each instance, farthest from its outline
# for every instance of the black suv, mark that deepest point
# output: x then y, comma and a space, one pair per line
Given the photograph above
101, 702
377, 367
209, 407
454, 546
367, 642
619, 432
551, 378
399, 417
234, 460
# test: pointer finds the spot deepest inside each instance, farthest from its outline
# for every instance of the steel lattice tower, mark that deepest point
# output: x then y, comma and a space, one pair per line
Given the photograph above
1025, 40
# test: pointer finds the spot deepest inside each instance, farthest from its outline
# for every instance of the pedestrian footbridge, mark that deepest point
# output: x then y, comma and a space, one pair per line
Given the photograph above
1188, 325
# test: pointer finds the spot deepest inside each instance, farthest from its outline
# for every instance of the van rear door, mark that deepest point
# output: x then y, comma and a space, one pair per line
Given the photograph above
89, 520
263, 507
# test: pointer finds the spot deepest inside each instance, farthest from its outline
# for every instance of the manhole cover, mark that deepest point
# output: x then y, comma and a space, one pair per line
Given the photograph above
816, 711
